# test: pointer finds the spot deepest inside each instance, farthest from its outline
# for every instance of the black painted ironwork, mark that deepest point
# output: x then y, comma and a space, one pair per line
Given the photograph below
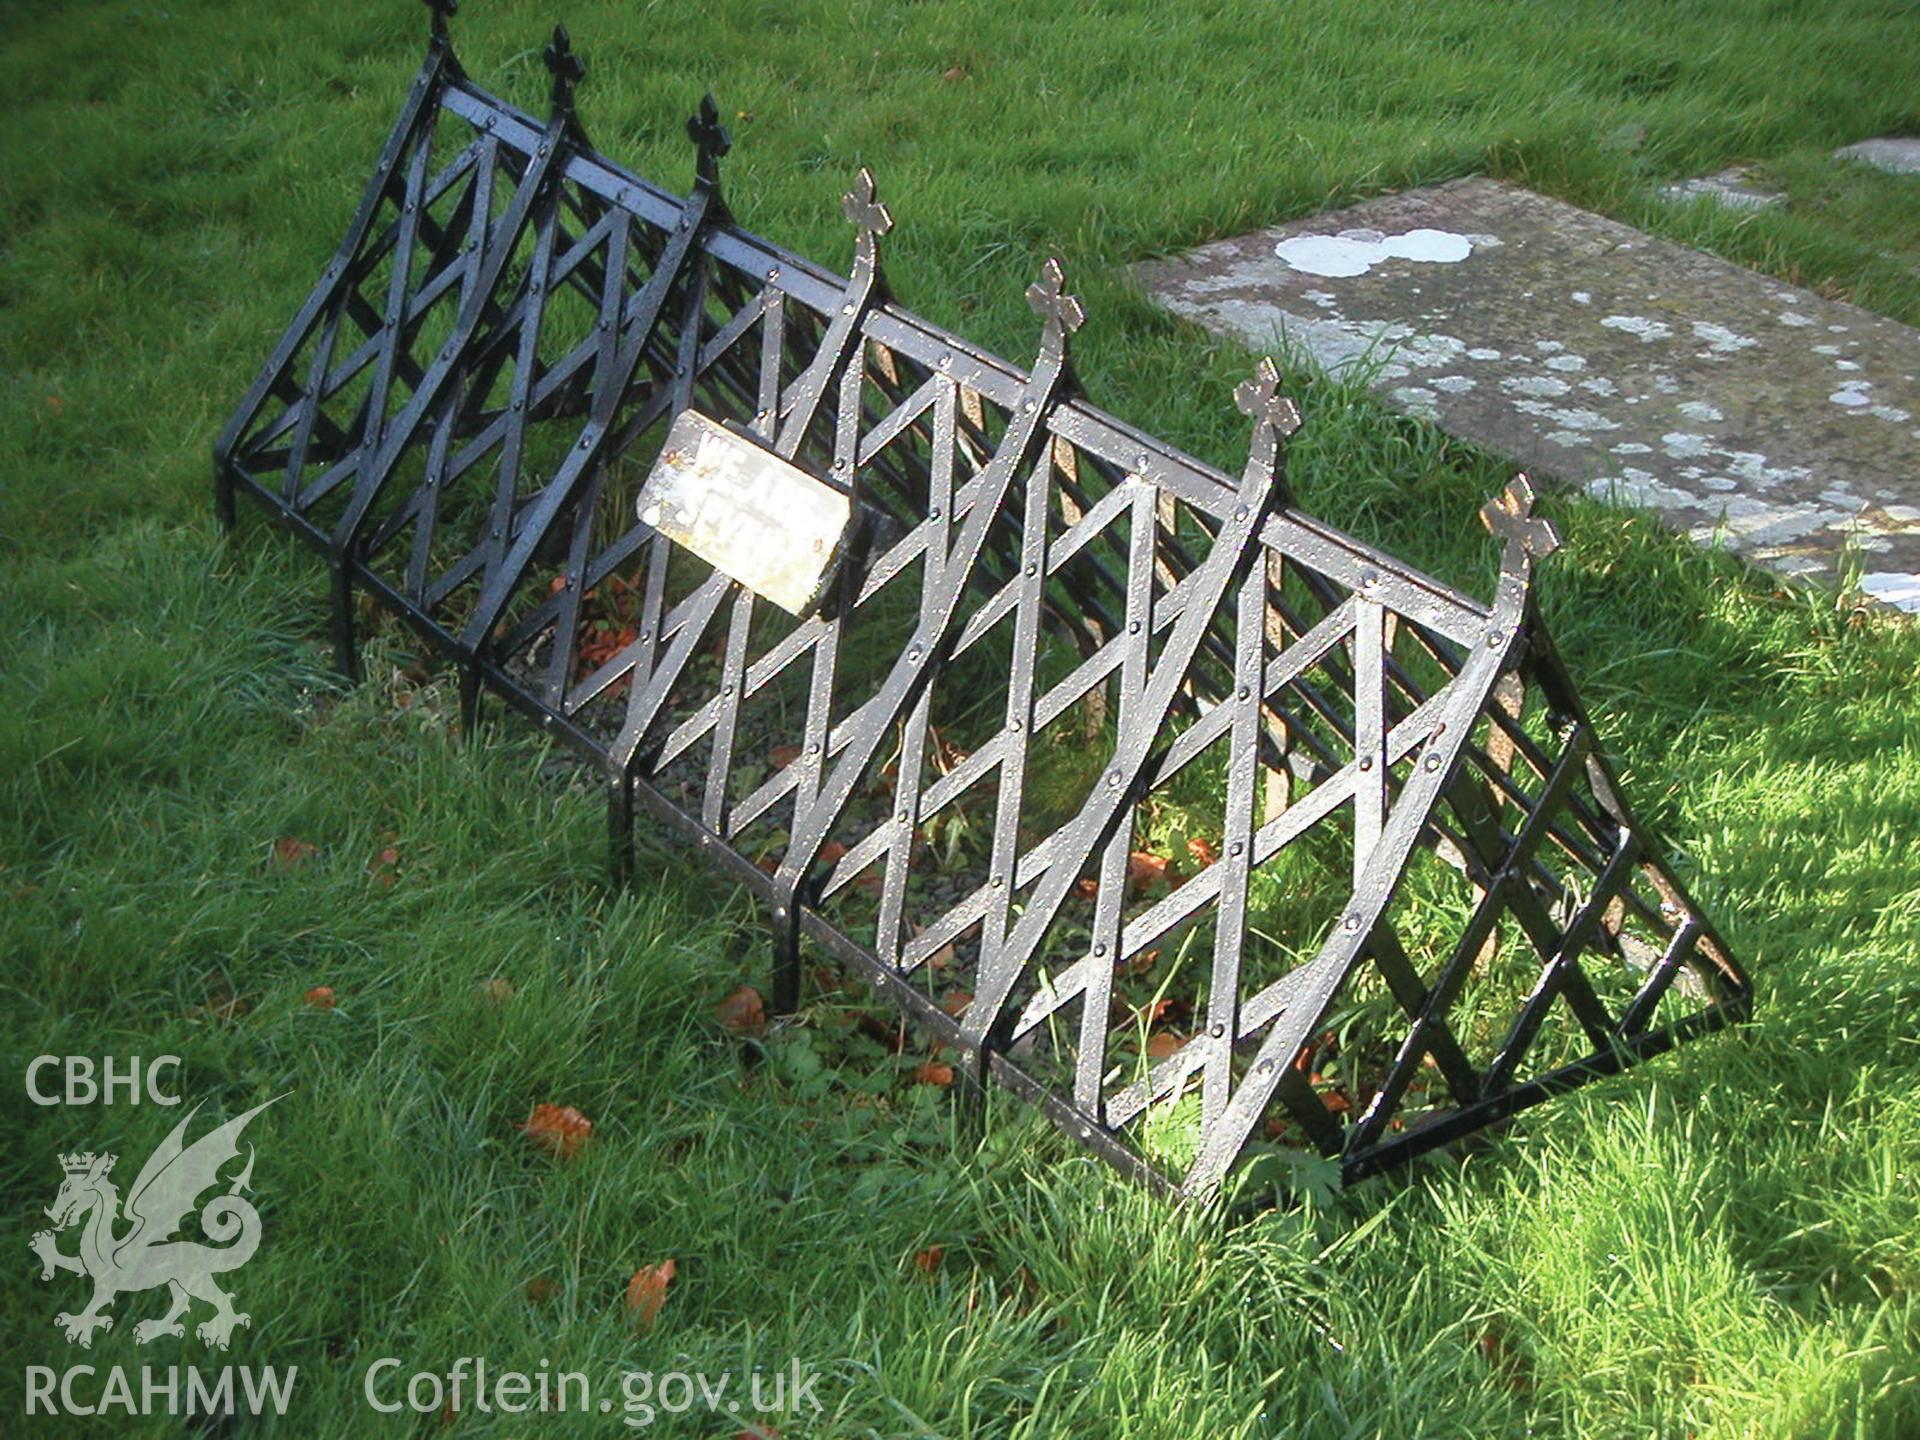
1416, 901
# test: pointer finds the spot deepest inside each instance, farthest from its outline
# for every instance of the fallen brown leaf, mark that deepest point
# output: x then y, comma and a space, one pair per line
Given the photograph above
541, 1289
560, 1130
383, 868
928, 1260
941, 959
1163, 1043
320, 997
1145, 869
743, 1012
783, 755
499, 989
1202, 851
647, 1294
934, 1072
956, 1003
289, 852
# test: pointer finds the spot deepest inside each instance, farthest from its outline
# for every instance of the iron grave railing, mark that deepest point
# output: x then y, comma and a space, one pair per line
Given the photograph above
942, 662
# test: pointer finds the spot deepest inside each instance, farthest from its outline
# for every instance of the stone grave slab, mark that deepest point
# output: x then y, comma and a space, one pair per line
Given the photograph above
1736, 189
1895, 154
1745, 411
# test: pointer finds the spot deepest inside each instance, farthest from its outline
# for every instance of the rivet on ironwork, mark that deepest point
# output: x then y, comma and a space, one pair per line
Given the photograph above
1218, 1030
711, 142
1366, 762
773, 272
1099, 949
1246, 692
1432, 762
1235, 848
1352, 922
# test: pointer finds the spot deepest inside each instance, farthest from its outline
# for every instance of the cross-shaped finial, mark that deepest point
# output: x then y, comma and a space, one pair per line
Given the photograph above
859, 206
1510, 516
565, 67
443, 11
1062, 312
1260, 398
711, 139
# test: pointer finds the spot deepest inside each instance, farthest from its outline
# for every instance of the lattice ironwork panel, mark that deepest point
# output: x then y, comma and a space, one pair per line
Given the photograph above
1050, 648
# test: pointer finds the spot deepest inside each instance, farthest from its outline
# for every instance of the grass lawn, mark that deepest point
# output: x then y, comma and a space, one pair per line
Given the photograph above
198, 823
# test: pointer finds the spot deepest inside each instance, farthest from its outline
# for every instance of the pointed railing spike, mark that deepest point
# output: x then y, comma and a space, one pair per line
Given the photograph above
1510, 516
443, 11
711, 140
869, 215
1274, 416
1063, 313
1261, 400
565, 67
